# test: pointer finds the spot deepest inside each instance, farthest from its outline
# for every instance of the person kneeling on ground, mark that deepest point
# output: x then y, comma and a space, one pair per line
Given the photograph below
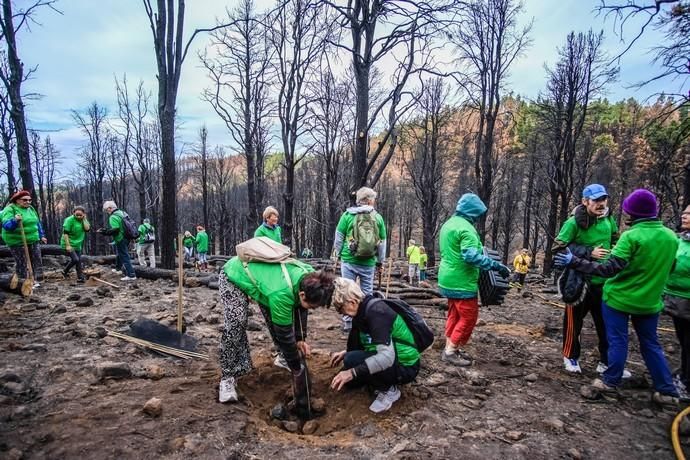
636, 271
284, 292
379, 351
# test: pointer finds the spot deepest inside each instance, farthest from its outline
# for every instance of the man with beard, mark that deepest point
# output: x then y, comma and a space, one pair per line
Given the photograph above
590, 233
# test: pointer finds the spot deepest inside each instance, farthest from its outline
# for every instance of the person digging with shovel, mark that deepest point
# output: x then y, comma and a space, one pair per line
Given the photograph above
284, 293
22, 232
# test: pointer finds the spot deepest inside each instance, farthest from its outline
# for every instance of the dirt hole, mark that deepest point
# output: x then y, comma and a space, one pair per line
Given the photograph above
343, 412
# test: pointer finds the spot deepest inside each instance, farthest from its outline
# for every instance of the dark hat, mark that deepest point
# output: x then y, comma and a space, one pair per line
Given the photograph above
640, 203
19, 194
594, 192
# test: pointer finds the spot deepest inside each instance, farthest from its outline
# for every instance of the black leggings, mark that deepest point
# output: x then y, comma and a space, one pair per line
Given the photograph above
75, 261
397, 374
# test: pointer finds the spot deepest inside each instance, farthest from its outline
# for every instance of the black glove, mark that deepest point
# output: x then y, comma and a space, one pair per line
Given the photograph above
300, 391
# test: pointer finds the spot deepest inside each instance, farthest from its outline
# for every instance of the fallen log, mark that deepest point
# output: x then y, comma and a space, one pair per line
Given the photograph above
46, 250
12, 283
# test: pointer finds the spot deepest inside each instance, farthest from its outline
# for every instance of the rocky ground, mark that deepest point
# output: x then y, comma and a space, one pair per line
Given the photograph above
69, 391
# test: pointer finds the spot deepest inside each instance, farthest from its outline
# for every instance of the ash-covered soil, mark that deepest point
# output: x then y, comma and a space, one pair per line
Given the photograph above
68, 391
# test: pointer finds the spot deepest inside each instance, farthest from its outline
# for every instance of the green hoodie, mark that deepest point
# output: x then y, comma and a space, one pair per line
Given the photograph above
13, 238
271, 289
678, 283
458, 276
649, 249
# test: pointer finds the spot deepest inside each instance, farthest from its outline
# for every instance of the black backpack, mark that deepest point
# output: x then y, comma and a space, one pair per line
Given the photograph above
130, 227
150, 235
423, 335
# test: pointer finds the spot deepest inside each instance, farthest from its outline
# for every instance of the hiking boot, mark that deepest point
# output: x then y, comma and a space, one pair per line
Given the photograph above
683, 394
65, 274
81, 280
227, 391
571, 365
665, 400
603, 386
384, 400
128, 278
455, 359
601, 368
281, 362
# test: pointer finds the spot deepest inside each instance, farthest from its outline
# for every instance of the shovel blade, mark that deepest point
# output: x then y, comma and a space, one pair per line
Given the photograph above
153, 331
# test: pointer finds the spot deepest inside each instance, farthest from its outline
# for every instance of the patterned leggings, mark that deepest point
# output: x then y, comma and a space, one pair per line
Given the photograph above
20, 261
235, 359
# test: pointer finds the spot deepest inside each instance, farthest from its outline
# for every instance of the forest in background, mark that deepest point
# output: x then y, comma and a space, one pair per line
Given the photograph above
311, 116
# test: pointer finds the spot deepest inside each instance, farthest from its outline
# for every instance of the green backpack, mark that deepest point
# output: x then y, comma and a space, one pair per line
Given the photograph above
365, 235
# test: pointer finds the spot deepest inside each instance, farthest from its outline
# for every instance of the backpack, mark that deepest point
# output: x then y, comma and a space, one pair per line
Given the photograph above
264, 249
150, 235
131, 231
422, 333
365, 235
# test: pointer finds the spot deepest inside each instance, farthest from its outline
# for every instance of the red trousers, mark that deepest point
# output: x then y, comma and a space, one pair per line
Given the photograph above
462, 317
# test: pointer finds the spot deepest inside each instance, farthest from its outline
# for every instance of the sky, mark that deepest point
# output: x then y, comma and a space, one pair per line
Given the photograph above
81, 51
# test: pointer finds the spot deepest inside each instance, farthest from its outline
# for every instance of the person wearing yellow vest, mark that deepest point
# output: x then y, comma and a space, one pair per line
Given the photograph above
423, 261
413, 261
521, 266
17, 215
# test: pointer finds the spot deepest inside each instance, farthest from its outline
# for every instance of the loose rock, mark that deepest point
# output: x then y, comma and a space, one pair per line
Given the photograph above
153, 407
555, 424
318, 405
531, 377
73, 297
310, 427
112, 370
589, 392
85, 302
574, 453
291, 427
279, 412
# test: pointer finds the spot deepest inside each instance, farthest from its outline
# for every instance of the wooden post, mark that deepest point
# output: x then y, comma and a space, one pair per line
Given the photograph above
180, 282
28, 286
390, 268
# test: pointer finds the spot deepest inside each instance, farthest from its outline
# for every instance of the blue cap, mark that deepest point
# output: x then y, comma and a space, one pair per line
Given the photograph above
594, 192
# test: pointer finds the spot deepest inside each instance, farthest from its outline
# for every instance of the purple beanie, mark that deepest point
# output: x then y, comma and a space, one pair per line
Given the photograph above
640, 203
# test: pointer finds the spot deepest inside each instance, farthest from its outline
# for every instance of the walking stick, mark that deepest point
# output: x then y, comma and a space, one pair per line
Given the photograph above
180, 282
306, 370
27, 257
388, 281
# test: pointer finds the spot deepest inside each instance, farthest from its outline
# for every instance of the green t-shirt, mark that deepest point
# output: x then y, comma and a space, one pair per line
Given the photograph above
599, 234
13, 238
274, 233
650, 249
74, 229
143, 230
423, 260
346, 227
678, 283
271, 289
202, 241
454, 274
188, 241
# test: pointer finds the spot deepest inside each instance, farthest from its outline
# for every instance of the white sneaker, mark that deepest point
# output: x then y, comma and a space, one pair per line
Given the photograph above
601, 368
128, 278
227, 391
281, 362
36, 284
384, 400
571, 365
115, 270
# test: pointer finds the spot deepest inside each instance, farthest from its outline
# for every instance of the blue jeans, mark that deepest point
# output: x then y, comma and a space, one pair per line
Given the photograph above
122, 249
365, 275
652, 353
